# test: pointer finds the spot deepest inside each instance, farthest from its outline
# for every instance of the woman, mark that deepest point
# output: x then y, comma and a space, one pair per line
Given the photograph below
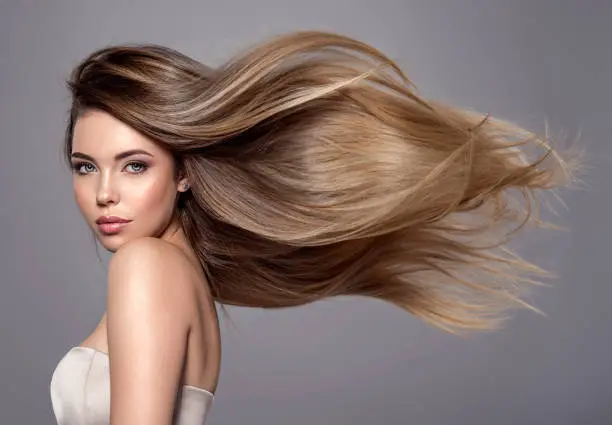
306, 168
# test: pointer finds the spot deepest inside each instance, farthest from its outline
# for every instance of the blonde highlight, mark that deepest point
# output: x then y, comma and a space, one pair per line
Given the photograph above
317, 170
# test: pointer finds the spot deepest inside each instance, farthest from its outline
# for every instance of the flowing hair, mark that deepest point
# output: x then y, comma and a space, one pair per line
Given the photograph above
316, 170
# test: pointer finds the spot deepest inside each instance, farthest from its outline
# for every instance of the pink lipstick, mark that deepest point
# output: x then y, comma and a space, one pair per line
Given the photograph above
111, 225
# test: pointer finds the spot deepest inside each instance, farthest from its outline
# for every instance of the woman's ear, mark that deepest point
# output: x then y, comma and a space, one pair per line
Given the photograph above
183, 185
180, 175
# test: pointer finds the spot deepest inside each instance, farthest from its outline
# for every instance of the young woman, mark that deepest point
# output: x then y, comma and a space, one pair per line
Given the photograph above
307, 168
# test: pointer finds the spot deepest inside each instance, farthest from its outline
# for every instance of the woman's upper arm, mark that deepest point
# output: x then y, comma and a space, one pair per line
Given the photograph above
148, 323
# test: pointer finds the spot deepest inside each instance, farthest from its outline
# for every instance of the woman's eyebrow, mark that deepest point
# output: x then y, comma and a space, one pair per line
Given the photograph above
119, 156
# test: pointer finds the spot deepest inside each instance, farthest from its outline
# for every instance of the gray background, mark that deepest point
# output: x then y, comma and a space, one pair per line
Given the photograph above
347, 360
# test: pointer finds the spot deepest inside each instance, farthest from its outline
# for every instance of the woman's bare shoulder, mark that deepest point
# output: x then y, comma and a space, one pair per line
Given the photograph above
150, 311
155, 269
148, 248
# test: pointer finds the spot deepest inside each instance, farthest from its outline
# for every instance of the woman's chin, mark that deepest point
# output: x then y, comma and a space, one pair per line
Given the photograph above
111, 242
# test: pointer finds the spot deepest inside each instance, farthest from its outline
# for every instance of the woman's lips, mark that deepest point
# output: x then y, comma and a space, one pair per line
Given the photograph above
112, 227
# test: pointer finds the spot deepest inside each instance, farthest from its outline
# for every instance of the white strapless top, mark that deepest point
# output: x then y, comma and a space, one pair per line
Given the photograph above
80, 392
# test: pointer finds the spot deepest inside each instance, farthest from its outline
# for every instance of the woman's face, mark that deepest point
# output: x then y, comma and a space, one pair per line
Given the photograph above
120, 174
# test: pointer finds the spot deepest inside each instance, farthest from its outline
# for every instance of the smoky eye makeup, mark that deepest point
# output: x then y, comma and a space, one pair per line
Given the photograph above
131, 167
80, 167
137, 167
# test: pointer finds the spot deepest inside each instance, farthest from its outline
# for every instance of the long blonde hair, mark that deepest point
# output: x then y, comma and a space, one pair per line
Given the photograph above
316, 170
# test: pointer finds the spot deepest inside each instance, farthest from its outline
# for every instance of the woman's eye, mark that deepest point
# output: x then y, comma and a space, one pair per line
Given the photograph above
137, 167
86, 168
83, 167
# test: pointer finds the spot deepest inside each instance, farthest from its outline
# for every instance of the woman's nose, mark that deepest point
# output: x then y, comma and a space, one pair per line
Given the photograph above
106, 192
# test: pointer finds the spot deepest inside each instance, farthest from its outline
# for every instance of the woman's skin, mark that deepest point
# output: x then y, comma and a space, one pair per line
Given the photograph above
160, 329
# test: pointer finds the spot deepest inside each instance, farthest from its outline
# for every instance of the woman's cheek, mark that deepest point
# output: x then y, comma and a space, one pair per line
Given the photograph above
150, 195
82, 198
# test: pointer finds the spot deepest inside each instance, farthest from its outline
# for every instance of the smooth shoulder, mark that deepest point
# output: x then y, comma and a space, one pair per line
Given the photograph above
147, 248
153, 268
150, 255
150, 312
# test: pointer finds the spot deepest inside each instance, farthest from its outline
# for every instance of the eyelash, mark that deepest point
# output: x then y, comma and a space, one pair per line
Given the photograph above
77, 166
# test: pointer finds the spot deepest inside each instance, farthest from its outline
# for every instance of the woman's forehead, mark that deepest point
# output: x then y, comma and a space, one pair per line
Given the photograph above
97, 133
